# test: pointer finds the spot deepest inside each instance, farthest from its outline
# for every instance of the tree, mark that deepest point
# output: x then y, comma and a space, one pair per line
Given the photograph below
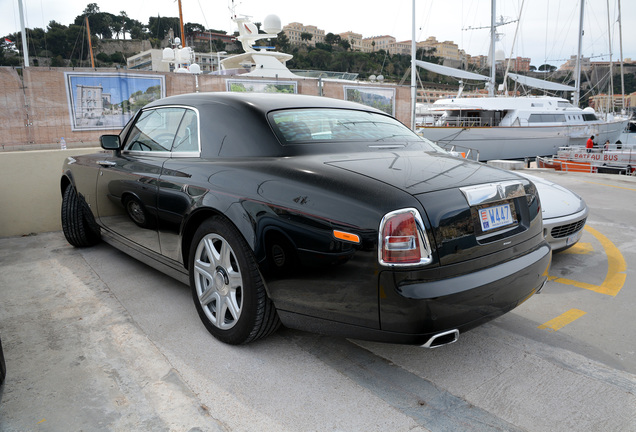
345, 44
547, 68
332, 39
320, 59
282, 42
158, 27
193, 27
304, 36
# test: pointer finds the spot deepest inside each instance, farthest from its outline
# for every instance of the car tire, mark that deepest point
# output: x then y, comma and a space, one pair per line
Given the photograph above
75, 221
227, 286
3, 366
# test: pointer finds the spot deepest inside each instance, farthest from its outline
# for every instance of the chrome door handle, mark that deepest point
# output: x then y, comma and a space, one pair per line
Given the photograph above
106, 163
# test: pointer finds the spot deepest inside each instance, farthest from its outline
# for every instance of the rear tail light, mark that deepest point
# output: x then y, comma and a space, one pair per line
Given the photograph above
403, 240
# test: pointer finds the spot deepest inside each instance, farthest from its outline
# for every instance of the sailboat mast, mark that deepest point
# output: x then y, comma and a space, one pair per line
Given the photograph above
493, 38
620, 39
90, 43
577, 72
413, 70
610, 92
25, 48
183, 41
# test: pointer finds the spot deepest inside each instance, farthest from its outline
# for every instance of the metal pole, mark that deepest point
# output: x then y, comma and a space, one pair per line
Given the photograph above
413, 71
620, 38
493, 37
25, 49
577, 73
610, 93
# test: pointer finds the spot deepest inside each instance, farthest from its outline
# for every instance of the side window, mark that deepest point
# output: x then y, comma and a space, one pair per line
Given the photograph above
187, 139
155, 130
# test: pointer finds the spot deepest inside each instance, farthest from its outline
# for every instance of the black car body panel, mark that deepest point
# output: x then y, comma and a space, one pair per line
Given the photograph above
288, 199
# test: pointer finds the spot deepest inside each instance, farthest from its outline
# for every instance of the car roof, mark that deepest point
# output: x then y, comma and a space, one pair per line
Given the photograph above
263, 102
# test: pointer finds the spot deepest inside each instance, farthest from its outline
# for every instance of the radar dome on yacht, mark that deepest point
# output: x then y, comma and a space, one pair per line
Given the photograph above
272, 25
168, 54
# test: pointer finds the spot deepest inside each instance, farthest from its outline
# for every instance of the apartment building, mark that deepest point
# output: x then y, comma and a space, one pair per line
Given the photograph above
355, 41
378, 43
294, 32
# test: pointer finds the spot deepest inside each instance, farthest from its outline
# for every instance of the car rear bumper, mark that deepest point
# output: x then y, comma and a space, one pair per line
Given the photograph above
416, 306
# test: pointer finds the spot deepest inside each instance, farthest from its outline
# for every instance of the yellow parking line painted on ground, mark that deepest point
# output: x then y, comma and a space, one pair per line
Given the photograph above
616, 268
617, 187
562, 320
579, 249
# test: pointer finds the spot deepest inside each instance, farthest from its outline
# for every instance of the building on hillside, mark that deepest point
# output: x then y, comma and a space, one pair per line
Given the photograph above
295, 30
378, 43
152, 60
403, 47
615, 103
518, 64
356, 41
570, 65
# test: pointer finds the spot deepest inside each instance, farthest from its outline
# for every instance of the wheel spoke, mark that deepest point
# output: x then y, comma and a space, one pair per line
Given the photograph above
211, 251
206, 297
233, 306
202, 268
225, 255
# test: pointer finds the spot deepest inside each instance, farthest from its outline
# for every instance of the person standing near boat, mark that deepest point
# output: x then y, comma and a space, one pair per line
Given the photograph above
589, 145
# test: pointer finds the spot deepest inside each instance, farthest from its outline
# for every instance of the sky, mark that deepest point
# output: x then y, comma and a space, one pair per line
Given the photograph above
547, 31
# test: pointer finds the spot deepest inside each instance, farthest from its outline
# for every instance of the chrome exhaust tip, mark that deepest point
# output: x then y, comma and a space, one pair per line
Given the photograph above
440, 339
541, 287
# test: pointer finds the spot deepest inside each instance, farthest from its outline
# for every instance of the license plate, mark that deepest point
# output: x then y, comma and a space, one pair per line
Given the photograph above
573, 238
495, 217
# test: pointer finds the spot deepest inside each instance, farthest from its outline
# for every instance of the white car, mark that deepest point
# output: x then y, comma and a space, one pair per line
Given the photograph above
564, 213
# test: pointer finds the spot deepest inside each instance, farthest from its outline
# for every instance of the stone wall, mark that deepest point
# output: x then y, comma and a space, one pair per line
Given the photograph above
128, 47
34, 105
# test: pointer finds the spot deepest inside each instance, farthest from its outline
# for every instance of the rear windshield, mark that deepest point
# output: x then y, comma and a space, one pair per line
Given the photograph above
337, 125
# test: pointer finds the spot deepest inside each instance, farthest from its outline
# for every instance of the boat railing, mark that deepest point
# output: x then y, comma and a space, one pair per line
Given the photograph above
462, 122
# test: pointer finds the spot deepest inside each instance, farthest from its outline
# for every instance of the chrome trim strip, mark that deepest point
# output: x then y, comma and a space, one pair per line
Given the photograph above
493, 192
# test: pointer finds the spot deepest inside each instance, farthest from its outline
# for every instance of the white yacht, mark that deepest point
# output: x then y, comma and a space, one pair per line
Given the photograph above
516, 127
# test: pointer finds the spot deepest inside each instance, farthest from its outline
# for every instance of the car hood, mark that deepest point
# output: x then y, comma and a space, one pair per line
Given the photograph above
420, 173
556, 200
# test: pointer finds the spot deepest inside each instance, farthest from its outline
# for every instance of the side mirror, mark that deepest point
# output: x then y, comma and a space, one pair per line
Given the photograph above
110, 142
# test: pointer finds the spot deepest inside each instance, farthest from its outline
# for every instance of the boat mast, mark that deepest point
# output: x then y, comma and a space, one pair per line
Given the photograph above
610, 92
25, 48
493, 37
620, 38
90, 43
413, 71
577, 72
183, 41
